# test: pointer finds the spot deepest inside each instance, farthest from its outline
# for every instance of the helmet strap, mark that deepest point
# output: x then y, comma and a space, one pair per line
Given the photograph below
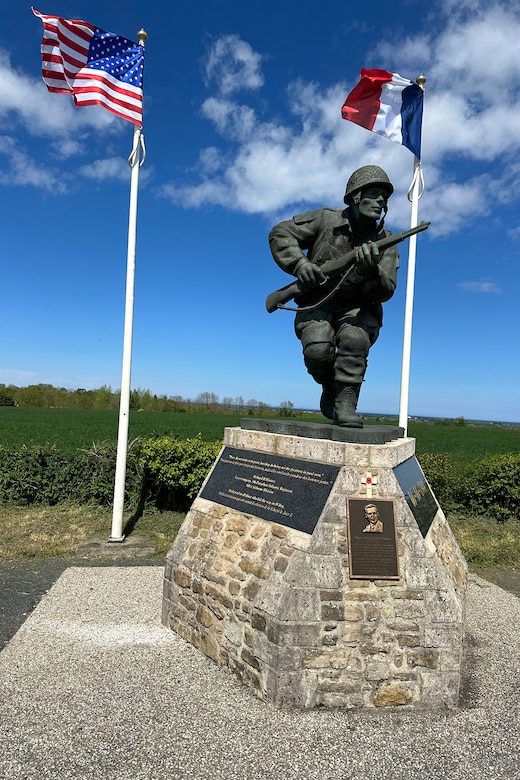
382, 222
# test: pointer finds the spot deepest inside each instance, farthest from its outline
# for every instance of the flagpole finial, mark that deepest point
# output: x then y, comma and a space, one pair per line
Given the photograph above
421, 81
142, 36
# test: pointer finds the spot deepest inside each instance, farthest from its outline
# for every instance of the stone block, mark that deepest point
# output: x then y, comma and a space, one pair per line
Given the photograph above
237, 524
294, 634
395, 694
440, 689
280, 531
314, 571
254, 567
280, 563
182, 578
377, 668
425, 657
234, 587
251, 590
332, 611
293, 689
353, 612
210, 647
258, 621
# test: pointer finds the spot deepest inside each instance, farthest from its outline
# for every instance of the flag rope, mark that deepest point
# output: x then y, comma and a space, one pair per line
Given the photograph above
138, 153
418, 177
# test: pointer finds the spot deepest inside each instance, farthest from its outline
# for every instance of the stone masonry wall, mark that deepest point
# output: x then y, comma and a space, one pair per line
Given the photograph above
277, 607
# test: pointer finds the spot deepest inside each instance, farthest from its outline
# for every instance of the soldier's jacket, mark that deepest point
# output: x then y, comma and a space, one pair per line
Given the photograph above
325, 234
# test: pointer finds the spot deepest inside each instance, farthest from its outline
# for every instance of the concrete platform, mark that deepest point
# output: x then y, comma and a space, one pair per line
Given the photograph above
369, 434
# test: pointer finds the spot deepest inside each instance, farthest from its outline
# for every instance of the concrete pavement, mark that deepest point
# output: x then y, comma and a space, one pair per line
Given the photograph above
93, 686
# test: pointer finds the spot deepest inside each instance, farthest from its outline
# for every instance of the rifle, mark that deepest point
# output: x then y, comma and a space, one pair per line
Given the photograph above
338, 265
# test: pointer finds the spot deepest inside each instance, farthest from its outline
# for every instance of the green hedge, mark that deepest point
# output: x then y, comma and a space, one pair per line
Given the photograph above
494, 486
40, 475
167, 473
163, 472
489, 486
173, 470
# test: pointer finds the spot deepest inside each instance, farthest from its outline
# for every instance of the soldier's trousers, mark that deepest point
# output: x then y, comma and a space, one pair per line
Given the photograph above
335, 347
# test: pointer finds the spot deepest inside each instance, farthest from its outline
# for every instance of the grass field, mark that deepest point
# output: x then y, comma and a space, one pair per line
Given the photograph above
72, 429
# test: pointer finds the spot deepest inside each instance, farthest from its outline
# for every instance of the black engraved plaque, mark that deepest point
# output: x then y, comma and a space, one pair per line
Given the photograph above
417, 493
372, 540
283, 490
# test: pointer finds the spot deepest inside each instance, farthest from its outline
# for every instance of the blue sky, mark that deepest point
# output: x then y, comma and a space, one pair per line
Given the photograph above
242, 122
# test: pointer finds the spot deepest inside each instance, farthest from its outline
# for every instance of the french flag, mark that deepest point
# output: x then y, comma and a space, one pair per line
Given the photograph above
388, 104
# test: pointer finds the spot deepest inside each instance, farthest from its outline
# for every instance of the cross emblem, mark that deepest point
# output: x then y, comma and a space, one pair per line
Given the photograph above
369, 481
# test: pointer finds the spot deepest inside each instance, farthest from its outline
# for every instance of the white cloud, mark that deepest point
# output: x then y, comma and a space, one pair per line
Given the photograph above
210, 159
111, 168
21, 170
473, 68
232, 65
484, 286
456, 203
230, 118
68, 147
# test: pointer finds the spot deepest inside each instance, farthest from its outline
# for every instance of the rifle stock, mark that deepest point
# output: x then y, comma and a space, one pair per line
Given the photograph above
341, 264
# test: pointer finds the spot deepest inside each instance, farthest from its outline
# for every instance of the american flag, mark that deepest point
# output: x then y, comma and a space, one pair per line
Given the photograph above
94, 66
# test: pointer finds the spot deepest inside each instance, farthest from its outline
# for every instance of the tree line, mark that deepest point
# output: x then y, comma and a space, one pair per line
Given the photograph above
48, 396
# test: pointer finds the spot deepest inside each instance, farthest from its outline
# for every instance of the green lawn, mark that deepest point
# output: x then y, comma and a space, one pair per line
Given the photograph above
465, 443
71, 429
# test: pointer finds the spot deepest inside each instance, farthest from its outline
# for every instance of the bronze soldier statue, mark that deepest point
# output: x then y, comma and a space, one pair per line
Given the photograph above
338, 328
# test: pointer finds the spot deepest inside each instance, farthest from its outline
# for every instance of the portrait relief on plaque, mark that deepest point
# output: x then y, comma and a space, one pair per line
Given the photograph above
372, 539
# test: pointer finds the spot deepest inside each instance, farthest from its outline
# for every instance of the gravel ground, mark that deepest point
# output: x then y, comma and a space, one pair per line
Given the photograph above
92, 686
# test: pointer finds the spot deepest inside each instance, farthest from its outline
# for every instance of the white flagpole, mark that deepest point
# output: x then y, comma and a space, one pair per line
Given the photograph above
135, 160
416, 189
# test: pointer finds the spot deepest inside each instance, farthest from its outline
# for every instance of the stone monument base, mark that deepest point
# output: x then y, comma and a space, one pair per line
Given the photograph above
275, 576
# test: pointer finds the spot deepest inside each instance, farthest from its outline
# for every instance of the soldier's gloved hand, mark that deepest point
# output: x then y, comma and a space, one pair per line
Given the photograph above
310, 275
367, 259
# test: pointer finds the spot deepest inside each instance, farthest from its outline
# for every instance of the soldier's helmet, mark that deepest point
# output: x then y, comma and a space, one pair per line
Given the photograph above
366, 176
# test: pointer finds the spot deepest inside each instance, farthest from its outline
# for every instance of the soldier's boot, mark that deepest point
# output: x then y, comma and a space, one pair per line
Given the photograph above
322, 371
345, 406
328, 397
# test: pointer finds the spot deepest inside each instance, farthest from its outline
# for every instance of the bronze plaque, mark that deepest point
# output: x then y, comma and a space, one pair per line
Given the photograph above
372, 539
283, 490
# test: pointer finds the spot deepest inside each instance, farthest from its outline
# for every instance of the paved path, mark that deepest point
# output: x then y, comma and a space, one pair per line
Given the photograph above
92, 686
23, 583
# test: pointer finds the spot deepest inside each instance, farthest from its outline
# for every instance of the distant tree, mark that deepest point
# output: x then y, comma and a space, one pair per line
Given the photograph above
176, 403
228, 403
286, 409
461, 422
104, 398
84, 399
207, 400
135, 399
